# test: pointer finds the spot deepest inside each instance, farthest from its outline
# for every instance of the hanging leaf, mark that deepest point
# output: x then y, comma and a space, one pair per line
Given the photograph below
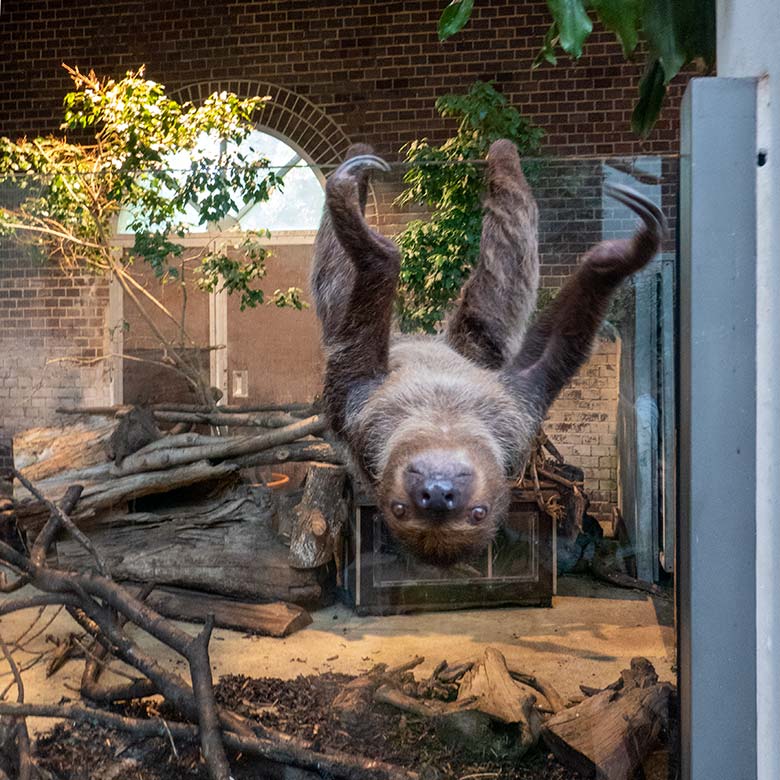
652, 90
454, 17
547, 52
622, 18
574, 24
661, 26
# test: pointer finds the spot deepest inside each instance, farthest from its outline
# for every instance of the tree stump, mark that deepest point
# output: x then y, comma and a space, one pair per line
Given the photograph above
319, 518
608, 735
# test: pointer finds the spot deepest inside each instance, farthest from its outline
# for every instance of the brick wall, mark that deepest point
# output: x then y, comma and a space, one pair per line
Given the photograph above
374, 67
367, 70
583, 422
52, 329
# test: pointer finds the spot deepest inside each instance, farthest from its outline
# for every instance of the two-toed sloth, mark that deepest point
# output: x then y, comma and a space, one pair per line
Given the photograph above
437, 424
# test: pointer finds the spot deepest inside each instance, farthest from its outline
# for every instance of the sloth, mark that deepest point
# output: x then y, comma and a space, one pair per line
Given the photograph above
438, 424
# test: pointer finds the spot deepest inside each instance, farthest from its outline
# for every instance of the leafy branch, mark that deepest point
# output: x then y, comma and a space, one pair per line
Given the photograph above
676, 34
173, 168
439, 252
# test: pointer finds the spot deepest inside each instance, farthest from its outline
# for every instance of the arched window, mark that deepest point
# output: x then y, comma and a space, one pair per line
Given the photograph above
297, 205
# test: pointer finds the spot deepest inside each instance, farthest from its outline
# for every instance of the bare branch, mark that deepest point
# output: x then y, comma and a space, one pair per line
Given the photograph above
202, 686
22, 736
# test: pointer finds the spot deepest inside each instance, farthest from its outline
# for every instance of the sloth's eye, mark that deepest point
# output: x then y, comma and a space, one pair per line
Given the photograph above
478, 513
398, 509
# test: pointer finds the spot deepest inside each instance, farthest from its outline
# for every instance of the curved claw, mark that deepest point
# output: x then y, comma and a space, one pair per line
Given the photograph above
647, 211
362, 161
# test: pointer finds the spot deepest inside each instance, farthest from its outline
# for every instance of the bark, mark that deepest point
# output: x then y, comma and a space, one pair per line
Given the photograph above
223, 449
201, 545
277, 619
608, 735
117, 492
319, 517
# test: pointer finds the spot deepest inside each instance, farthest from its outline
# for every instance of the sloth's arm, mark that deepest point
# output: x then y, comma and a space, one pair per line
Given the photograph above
501, 292
559, 342
357, 338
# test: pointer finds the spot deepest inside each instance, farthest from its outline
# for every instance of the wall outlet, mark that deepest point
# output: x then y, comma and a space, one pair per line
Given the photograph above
241, 384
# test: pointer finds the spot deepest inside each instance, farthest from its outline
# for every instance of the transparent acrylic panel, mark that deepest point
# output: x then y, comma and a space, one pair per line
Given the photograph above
359, 649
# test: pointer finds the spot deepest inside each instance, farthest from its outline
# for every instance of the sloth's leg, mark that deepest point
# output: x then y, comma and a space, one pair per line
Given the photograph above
495, 303
559, 341
332, 274
354, 279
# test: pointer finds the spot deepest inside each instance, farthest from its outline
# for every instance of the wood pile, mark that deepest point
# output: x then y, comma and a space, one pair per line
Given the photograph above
168, 501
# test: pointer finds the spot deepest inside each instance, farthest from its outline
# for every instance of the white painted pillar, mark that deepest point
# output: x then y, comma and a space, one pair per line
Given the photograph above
748, 35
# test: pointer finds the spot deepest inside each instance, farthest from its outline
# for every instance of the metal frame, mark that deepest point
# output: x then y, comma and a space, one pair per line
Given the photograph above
717, 431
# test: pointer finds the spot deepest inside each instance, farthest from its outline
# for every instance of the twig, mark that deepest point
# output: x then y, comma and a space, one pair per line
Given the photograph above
59, 517
22, 736
170, 737
546, 688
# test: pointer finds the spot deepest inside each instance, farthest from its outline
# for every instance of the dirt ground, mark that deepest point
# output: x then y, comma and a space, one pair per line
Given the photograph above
301, 707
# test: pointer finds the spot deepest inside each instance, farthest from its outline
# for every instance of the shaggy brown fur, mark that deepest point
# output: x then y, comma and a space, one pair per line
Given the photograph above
437, 424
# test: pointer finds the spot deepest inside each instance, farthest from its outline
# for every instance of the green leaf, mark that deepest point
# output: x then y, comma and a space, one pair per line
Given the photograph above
574, 24
662, 28
454, 17
547, 52
622, 18
652, 90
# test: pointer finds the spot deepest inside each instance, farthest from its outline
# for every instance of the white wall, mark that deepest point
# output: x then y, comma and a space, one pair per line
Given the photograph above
749, 45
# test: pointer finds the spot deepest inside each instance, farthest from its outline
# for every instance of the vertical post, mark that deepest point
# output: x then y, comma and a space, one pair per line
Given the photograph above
116, 341
218, 341
717, 424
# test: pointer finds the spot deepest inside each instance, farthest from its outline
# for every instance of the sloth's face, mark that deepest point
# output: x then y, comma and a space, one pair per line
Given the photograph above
442, 501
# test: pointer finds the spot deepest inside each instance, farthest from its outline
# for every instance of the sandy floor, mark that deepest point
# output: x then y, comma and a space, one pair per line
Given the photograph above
589, 635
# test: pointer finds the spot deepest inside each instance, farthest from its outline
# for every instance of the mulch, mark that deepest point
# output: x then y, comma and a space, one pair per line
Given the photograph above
301, 707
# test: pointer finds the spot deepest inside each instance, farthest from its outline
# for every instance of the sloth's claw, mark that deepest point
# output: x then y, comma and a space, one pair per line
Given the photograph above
363, 161
648, 212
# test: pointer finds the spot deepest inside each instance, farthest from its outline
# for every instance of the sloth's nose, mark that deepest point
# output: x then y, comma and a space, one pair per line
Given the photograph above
437, 495
437, 489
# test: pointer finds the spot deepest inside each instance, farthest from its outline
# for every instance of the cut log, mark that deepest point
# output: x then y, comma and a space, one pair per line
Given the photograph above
608, 735
319, 517
204, 545
40, 453
277, 619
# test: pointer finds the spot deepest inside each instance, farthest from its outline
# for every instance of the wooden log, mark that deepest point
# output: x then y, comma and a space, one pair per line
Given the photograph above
250, 420
319, 518
296, 409
309, 450
224, 449
223, 544
40, 453
608, 735
278, 619
116, 492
